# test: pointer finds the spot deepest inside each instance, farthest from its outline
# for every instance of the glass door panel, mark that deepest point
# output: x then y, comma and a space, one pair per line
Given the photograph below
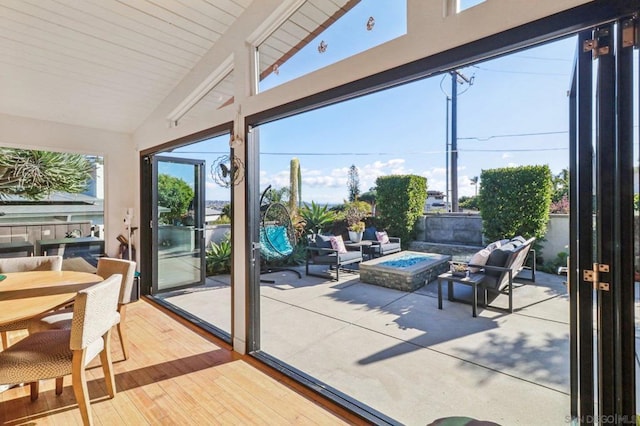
601, 272
178, 222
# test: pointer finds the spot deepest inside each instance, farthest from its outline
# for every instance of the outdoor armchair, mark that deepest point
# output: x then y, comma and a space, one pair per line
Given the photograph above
321, 252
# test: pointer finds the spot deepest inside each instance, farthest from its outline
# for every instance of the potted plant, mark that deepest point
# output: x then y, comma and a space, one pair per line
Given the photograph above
355, 225
355, 231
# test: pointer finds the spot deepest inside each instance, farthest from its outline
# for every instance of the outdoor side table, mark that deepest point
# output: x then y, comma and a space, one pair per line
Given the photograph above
472, 280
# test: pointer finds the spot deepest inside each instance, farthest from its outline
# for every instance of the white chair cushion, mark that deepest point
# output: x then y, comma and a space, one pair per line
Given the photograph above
479, 258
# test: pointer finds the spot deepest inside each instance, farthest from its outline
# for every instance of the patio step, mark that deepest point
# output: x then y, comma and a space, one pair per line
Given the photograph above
458, 252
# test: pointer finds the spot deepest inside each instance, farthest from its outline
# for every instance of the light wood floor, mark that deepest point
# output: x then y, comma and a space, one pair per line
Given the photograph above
176, 374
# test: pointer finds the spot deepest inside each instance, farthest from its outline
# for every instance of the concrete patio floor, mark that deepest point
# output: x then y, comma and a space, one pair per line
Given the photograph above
398, 353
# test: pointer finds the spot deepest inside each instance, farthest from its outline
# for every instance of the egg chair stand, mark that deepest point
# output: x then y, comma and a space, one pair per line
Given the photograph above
277, 237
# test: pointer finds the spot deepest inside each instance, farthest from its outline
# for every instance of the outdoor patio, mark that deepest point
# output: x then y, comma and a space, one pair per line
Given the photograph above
396, 352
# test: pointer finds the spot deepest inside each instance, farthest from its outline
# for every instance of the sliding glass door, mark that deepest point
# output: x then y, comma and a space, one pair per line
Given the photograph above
178, 222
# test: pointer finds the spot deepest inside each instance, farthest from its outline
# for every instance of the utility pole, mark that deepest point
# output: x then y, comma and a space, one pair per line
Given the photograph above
456, 77
446, 160
454, 141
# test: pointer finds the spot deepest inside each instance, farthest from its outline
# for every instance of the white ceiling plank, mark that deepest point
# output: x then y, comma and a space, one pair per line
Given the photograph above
229, 6
47, 64
293, 30
313, 13
243, 3
180, 35
173, 18
97, 28
211, 11
304, 21
135, 26
191, 15
34, 38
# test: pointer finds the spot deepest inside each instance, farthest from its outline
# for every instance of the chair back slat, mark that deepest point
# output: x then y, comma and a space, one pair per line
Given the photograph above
30, 263
108, 266
95, 312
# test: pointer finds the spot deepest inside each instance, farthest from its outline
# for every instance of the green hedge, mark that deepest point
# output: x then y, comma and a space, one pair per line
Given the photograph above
515, 201
400, 202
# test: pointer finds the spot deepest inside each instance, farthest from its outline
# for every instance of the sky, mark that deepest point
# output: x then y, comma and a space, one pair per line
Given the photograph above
514, 112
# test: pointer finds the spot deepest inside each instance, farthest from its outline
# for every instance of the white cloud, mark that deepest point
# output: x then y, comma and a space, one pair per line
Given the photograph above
506, 155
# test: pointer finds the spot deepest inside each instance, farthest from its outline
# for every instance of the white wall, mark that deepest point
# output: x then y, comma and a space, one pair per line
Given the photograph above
120, 159
557, 236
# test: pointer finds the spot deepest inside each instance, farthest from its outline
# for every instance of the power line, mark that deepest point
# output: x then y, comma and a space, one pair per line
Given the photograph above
514, 150
514, 135
540, 58
397, 154
520, 72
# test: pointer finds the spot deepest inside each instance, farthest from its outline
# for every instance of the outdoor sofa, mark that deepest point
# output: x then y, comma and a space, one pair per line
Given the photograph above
499, 264
379, 248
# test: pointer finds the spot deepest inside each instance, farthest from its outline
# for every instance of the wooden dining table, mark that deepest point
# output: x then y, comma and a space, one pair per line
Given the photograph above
26, 294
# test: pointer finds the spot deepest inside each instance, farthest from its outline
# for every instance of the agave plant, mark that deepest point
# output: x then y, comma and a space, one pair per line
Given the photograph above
218, 257
316, 217
35, 174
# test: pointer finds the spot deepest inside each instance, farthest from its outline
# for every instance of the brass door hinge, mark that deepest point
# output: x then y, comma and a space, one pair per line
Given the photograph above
600, 44
593, 276
630, 33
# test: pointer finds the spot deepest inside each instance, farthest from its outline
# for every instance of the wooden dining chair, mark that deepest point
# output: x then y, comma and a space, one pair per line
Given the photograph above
57, 353
25, 264
61, 319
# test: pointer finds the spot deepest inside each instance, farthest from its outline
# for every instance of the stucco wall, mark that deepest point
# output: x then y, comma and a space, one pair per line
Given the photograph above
466, 229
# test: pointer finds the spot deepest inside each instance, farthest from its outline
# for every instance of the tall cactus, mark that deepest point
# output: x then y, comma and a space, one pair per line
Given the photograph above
295, 188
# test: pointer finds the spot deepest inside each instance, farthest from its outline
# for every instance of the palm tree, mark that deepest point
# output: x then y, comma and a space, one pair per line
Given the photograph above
474, 182
35, 174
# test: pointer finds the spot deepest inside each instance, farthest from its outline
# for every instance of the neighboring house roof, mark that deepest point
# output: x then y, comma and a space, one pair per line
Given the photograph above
56, 205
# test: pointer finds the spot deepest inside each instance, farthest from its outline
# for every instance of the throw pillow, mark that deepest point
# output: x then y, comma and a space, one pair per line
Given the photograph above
382, 237
499, 257
323, 241
519, 238
338, 244
479, 258
496, 244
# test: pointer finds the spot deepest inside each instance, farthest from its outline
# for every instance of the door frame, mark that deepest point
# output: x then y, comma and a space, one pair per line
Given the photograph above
146, 212
199, 216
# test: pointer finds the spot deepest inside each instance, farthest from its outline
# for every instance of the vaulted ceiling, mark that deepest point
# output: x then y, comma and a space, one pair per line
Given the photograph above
102, 63
108, 64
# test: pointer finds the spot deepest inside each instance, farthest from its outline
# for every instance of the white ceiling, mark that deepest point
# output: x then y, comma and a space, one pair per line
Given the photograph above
102, 63
108, 64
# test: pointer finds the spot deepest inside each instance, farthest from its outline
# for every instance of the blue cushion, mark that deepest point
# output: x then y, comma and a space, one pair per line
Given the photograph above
274, 242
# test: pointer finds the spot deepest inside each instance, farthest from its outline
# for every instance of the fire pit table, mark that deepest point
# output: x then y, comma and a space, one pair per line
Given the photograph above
406, 270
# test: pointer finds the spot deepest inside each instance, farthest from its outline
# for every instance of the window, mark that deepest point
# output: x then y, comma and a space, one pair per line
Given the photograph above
467, 4
321, 33
46, 196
